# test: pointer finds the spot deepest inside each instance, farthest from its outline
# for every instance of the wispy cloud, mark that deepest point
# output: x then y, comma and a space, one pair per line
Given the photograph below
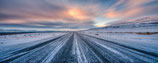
72, 14
130, 8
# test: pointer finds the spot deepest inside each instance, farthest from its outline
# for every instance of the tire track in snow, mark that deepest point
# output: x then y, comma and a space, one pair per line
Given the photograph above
95, 51
109, 53
142, 51
55, 51
141, 55
88, 52
39, 54
65, 55
81, 58
79, 48
16, 54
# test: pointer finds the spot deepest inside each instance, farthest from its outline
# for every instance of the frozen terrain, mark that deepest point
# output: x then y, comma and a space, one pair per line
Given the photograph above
78, 47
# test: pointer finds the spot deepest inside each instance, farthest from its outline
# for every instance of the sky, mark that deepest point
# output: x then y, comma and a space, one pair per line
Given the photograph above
67, 15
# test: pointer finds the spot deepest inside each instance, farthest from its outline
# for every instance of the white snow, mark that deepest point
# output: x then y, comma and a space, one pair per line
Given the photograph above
7, 40
77, 50
144, 42
55, 51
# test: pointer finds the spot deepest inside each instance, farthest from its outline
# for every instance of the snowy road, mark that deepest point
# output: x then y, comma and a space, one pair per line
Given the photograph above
77, 48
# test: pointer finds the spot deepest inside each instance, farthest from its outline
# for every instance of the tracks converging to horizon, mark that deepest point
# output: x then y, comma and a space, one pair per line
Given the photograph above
76, 48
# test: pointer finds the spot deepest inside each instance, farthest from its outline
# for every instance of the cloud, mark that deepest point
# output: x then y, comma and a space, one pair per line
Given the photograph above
44, 14
131, 8
72, 14
43, 10
49, 25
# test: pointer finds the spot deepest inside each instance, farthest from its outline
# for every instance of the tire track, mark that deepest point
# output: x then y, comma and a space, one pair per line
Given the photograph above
16, 54
65, 55
39, 54
132, 48
78, 48
56, 50
96, 51
141, 55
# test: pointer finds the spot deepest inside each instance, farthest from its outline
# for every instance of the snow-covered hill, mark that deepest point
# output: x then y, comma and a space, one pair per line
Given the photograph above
145, 24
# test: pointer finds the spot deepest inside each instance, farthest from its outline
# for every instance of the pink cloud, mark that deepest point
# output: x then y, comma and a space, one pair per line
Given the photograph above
131, 8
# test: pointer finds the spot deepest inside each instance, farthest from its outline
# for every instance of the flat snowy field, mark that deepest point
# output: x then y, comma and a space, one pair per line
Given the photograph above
79, 47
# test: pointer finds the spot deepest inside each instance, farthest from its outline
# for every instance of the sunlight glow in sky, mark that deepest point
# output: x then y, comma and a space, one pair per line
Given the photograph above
71, 14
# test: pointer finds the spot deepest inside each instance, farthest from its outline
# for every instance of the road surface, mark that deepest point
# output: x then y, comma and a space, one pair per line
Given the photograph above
76, 48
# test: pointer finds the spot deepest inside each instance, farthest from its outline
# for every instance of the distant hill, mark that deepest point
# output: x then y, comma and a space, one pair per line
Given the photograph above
139, 24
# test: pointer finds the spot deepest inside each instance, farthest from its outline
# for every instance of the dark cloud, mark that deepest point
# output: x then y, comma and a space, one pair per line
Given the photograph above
56, 25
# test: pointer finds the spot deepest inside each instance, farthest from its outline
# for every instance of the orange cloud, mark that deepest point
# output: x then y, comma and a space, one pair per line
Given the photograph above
111, 14
78, 14
68, 14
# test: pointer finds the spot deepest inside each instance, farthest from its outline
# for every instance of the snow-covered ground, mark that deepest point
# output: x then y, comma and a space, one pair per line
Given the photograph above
148, 43
8, 40
153, 38
131, 39
79, 47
